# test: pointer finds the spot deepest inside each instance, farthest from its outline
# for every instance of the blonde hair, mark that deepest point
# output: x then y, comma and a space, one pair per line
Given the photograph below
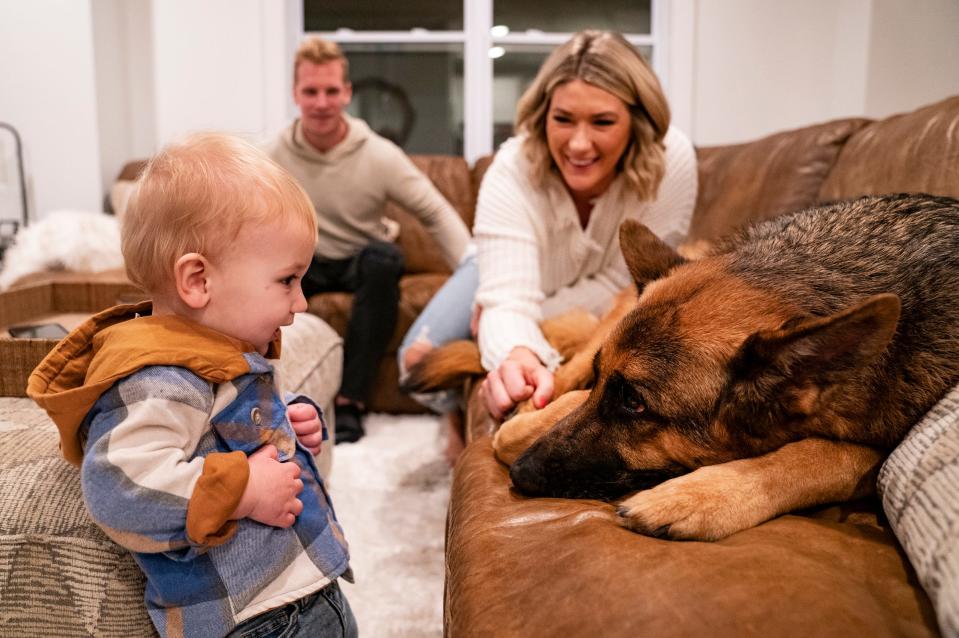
196, 195
319, 51
606, 60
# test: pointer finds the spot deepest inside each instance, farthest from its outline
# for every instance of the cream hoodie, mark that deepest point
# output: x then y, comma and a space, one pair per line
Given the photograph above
350, 183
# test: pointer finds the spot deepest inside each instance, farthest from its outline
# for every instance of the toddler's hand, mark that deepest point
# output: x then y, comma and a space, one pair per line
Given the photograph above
307, 425
270, 494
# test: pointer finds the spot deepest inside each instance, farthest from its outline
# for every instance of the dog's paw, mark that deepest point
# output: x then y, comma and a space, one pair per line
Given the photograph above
708, 504
515, 435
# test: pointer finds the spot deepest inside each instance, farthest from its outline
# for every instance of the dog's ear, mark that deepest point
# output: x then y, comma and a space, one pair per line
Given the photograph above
785, 369
647, 256
846, 340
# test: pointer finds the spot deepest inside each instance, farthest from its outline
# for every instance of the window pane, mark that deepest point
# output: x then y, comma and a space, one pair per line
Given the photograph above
412, 94
512, 73
626, 16
370, 15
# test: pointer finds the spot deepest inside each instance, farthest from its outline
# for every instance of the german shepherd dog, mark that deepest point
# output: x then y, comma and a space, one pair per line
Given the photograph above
775, 373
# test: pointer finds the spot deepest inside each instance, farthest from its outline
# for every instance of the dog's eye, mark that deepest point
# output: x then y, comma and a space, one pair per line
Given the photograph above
632, 402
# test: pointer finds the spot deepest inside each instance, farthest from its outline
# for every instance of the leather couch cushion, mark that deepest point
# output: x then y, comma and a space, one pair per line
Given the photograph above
913, 152
766, 178
452, 177
561, 567
479, 171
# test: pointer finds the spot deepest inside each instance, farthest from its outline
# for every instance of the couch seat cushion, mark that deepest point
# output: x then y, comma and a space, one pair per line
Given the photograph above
560, 567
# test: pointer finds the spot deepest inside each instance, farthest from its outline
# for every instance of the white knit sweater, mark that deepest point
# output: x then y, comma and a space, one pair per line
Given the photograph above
535, 259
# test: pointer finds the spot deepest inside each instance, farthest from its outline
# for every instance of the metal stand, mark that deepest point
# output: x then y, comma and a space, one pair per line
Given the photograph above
7, 238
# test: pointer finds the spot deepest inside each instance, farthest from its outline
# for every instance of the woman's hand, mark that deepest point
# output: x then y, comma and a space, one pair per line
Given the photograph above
521, 376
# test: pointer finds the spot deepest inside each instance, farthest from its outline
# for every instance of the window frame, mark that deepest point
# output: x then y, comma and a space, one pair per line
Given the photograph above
476, 39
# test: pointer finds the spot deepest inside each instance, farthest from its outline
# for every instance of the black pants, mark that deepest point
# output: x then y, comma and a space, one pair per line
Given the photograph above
373, 276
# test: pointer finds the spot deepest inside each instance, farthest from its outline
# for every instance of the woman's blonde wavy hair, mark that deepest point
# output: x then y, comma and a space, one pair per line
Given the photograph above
606, 60
196, 195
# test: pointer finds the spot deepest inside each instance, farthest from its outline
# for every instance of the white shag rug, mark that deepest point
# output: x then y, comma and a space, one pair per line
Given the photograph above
390, 491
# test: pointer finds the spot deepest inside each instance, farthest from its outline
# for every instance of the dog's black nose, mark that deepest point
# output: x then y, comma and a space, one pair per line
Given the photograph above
527, 476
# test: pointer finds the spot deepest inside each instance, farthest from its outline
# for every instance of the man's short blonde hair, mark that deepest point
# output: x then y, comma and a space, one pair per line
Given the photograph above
606, 60
195, 196
319, 51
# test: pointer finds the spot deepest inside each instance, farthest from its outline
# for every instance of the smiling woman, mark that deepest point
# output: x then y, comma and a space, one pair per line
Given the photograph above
593, 147
587, 132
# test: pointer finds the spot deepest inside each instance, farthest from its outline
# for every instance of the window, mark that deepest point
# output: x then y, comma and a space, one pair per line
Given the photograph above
443, 77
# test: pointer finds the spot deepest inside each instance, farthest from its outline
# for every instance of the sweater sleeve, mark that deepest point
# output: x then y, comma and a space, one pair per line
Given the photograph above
141, 481
413, 190
510, 290
668, 216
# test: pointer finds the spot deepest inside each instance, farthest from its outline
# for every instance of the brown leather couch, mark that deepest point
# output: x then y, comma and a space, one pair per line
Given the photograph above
555, 567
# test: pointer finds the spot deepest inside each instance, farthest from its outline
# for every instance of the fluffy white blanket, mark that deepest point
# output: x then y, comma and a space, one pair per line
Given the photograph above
63, 240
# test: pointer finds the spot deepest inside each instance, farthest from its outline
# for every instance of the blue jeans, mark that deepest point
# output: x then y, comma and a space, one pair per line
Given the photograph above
323, 613
445, 318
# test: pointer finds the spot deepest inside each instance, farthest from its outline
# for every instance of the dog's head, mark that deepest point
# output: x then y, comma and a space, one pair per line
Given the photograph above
707, 368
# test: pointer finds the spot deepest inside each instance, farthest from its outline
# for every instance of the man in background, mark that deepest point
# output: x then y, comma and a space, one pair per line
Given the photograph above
349, 172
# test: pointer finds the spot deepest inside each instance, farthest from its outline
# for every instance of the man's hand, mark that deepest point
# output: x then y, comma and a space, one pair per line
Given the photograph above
271, 492
521, 376
307, 425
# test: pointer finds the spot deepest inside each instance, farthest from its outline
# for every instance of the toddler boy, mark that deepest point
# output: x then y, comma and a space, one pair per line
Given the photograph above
170, 407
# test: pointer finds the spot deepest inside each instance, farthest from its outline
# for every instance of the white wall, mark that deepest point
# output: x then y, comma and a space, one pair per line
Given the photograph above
47, 92
219, 64
914, 55
91, 84
123, 52
765, 66
761, 66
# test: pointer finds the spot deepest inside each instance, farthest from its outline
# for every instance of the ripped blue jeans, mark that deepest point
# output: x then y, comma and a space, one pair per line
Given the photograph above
445, 318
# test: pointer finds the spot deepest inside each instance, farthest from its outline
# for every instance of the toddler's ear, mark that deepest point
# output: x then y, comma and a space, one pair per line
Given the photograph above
190, 272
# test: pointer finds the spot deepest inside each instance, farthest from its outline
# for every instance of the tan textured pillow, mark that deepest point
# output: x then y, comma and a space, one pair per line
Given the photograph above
919, 486
59, 574
760, 180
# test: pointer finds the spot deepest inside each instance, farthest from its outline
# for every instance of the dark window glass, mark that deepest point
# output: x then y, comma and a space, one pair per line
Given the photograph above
369, 15
412, 94
573, 15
